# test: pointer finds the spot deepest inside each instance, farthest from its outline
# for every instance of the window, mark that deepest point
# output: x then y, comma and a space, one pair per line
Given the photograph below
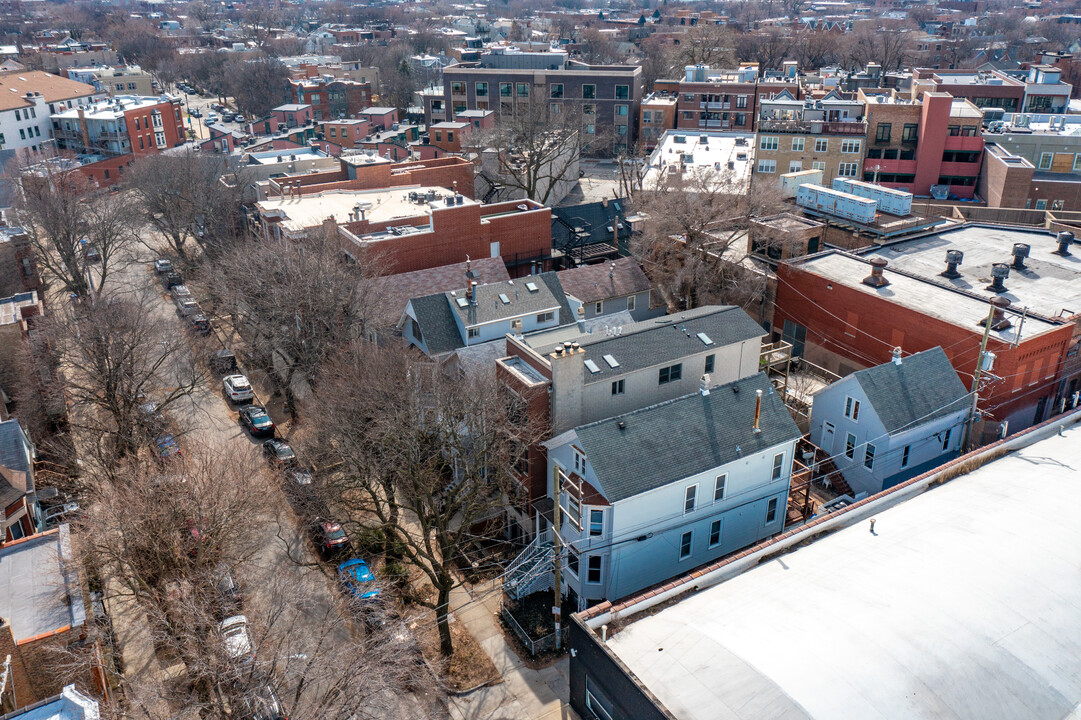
159, 139
741, 101
481, 89
778, 466
946, 439
851, 146
334, 133
822, 145
546, 316
904, 456
589, 129
623, 92
882, 133
557, 90
685, 545
954, 130
1056, 204
553, 108
505, 89
579, 462
1045, 160
768, 142
869, 457
17, 118
670, 374
22, 134
797, 144
450, 136
589, 92
630, 298
847, 169
795, 166
850, 446
818, 166
473, 332
709, 362
1040, 204
589, 109
852, 408
598, 308
741, 119
1077, 162
618, 387
457, 88
572, 562
771, 511
596, 522
598, 704
719, 487
593, 569
714, 534
909, 133
621, 110
141, 145
767, 166
690, 497
523, 90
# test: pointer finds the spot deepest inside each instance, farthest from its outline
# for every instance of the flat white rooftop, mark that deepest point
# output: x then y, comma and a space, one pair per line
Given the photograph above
379, 205
700, 156
964, 603
113, 109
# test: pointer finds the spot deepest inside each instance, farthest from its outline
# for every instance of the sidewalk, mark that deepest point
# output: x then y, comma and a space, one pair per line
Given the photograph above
524, 694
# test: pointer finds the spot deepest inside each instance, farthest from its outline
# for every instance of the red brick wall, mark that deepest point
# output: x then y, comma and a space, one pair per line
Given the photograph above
441, 172
107, 172
537, 411
865, 329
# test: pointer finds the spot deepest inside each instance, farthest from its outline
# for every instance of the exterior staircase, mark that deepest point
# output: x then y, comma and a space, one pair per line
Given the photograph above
828, 470
531, 571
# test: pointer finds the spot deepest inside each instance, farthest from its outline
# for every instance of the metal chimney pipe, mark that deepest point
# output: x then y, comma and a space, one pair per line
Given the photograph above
1020, 252
757, 410
877, 279
953, 260
999, 273
897, 355
1065, 239
999, 320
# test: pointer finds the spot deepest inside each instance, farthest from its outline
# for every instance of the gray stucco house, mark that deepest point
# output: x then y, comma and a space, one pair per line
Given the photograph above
886, 424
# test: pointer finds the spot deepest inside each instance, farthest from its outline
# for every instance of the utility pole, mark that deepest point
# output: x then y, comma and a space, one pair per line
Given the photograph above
997, 305
557, 545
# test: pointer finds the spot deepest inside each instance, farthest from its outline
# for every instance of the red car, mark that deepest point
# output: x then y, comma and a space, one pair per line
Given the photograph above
331, 539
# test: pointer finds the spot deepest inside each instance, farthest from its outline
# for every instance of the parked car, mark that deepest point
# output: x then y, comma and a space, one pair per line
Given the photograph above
263, 704
173, 279
166, 446
279, 453
299, 476
186, 306
151, 419
223, 362
237, 388
238, 118
211, 118
179, 291
256, 420
234, 631
163, 265
357, 579
228, 589
199, 323
196, 113
330, 538
60, 514
92, 254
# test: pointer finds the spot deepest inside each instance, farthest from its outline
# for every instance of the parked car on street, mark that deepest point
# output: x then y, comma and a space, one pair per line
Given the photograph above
223, 362
279, 453
228, 589
234, 632
173, 279
330, 538
92, 254
186, 306
299, 476
166, 446
237, 388
163, 265
179, 291
196, 113
199, 323
256, 420
357, 579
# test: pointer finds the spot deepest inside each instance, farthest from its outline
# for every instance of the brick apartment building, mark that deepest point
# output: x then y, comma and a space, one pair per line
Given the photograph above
348, 133
835, 316
708, 99
826, 134
914, 144
1033, 161
27, 99
504, 80
120, 126
416, 227
331, 98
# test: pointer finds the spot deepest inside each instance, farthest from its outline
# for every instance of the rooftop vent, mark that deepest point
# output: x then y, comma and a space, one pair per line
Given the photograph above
999, 273
953, 260
999, 321
1065, 239
877, 279
1020, 252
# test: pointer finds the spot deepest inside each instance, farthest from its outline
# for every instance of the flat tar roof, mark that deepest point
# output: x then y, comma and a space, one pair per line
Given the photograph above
1050, 284
39, 585
963, 603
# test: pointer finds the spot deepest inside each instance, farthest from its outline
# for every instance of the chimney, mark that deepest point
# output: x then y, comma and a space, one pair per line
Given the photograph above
1065, 239
1020, 252
703, 387
999, 272
83, 128
897, 355
611, 270
999, 321
757, 410
953, 260
876, 279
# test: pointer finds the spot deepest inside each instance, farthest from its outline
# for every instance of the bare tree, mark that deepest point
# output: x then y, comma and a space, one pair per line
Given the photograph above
116, 358
80, 233
887, 46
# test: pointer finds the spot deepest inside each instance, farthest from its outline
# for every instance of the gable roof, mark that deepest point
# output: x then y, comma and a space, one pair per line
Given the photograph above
683, 437
53, 88
591, 283
923, 387
437, 327
395, 291
13, 447
489, 305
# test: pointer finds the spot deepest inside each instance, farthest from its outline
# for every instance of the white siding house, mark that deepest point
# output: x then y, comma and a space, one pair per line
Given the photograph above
889, 423
651, 494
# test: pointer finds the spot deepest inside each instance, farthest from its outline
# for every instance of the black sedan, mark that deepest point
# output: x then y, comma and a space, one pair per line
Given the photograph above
256, 421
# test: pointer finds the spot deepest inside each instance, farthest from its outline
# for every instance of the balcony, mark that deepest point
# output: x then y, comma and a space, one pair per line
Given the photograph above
890, 167
812, 127
972, 143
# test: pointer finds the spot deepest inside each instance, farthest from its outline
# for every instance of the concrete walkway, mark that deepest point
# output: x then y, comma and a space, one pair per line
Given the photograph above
524, 694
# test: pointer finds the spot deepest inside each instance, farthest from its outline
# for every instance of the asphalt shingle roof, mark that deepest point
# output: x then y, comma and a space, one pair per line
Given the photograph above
923, 387
12, 449
590, 283
395, 291
437, 326
683, 437
489, 307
